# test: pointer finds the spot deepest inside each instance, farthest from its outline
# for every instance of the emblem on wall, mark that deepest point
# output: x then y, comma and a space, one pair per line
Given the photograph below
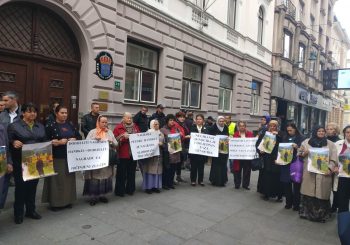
104, 63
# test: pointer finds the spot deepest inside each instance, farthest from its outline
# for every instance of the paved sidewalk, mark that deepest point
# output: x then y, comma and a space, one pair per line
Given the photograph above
188, 215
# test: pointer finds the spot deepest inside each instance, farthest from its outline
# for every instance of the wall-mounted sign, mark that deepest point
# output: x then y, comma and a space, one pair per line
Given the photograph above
116, 85
313, 99
104, 65
304, 96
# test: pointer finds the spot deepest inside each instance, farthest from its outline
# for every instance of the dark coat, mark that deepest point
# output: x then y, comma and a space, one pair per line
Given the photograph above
5, 116
160, 117
269, 159
141, 120
124, 144
88, 122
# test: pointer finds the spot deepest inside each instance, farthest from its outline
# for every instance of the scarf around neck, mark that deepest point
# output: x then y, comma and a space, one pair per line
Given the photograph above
315, 141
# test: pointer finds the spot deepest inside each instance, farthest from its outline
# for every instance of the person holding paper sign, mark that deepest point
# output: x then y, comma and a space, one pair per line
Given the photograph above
218, 170
25, 131
60, 190
198, 161
243, 165
125, 178
3, 186
316, 188
291, 189
99, 182
269, 178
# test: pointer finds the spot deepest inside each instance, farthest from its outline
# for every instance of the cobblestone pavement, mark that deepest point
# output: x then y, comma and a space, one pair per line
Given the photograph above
187, 215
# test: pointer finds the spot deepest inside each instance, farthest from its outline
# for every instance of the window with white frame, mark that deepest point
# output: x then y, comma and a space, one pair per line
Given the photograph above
255, 97
260, 25
225, 91
231, 13
191, 85
141, 74
287, 42
301, 59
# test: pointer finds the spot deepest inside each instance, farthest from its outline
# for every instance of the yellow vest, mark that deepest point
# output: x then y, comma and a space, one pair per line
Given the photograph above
231, 128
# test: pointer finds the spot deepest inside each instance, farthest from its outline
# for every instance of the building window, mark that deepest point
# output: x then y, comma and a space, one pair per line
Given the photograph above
321, 68
225, 91
301, 10
191, 85
141, 74
260, 25
231, 13
287, 45
313, 60
301, 60
255, 97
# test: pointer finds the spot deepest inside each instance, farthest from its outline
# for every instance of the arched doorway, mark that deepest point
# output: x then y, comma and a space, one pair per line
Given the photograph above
39, 57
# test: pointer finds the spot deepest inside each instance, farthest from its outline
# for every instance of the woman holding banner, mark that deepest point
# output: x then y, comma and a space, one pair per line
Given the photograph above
25, 131
170, 159
60, 190
291, 189
218, 170
198, 161
125, 178
269, 178
316, 187
244, 165
99, 182
152, 168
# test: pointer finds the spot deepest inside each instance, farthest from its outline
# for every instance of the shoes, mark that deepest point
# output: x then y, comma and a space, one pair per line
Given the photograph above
172, 187
103, 199
296, 208
179, 179
130, 193
18, 220
148, 191
56, 209
93, 201
193, 184
265, 198
156, 190
237, 187
119, 195
279, 199
288, 206
247, 188
33, 215
201, 184
69, 206
165, 188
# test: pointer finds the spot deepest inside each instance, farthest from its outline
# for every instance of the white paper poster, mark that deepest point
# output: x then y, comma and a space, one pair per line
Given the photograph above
242, 148
144, 145
204, 144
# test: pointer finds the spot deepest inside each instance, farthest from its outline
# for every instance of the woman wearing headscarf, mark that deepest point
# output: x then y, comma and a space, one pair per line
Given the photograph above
152, 168
264, 123
270, 175
126, 168
316, 188
242, 166
332, 131
218, 170
170, 160
291, 189
99, 182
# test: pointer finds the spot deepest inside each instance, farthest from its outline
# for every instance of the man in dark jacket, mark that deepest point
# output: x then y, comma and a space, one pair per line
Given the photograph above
12, 112
88, 121
159, 115
141, 119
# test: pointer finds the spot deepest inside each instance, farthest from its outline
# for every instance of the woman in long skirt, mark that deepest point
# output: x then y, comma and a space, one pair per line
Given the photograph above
218, 170
152, 168
99, 182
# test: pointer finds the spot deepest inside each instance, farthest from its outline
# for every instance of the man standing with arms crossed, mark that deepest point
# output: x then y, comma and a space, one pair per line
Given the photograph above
88, 121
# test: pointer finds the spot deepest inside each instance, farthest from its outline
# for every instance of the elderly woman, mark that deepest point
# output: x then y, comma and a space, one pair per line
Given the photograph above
60, 190
152, 167
316, 188
170, 160
270, 174
25, 131
99, 182
218, 170
3, 179
125, 178
244, 166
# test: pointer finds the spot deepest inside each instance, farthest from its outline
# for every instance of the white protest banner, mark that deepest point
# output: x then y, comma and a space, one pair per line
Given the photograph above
204, 144
242, 148
318, 160
144, 145
87, 154
344, 165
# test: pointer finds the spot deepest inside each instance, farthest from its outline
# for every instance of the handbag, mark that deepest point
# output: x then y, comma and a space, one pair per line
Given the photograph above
296, 170
113, 157
257, 163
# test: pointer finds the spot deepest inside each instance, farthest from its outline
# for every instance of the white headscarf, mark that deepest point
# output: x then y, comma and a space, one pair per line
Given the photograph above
217, 123
151, 125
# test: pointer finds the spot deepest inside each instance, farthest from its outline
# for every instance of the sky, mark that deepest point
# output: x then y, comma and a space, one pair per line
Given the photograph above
341, 10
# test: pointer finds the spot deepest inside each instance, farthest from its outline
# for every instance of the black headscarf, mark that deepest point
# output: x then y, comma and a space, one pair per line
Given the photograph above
316, 141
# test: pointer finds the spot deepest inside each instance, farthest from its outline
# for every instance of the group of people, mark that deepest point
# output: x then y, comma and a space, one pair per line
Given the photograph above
311, 197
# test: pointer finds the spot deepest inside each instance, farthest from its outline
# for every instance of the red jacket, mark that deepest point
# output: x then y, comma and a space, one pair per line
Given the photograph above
236, 164
124, 145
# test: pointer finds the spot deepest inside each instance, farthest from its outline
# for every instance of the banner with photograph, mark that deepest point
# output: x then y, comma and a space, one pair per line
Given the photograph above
174, 143
242, 148
144, 145
267, 143
204, 144
223, 144
37, 161
3, 161
285, 153
318, 160
87, 155
344, 165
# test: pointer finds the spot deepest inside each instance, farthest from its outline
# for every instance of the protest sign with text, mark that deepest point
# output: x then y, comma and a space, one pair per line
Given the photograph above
144, 145
37, 161
204, 144
242, 148
87, 155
